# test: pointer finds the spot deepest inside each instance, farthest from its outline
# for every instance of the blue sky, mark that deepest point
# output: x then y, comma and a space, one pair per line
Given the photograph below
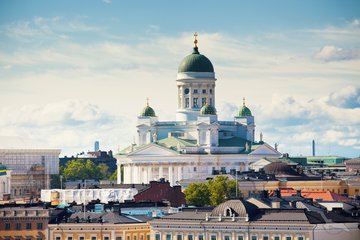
72, 72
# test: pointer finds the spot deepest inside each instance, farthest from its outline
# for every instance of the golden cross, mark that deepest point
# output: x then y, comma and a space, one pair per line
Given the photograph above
195, 40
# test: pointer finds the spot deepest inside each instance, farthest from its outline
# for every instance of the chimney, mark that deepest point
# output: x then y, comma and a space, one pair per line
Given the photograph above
298, 193
313, 148
277, 193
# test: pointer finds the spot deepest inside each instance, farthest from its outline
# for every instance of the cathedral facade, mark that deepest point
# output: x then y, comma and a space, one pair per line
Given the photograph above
197, 144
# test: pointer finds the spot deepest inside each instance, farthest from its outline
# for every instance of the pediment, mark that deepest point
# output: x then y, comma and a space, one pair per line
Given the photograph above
143, 126
265, 149
153, 150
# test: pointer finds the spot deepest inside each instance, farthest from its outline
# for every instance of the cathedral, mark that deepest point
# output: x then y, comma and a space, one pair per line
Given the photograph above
197, 144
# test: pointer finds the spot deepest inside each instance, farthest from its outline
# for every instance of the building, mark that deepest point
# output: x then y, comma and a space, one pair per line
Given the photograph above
99, 226
353, 165
24, 223
241, 220
5, 182
197, 143
63, 196
161, 191
31, 169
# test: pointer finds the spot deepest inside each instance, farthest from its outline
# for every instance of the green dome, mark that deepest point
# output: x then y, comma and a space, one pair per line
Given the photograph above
244, 112
148, 112
195, 62
207, 110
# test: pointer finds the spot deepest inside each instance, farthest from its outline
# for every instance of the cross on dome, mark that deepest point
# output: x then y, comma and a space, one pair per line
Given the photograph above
195, 39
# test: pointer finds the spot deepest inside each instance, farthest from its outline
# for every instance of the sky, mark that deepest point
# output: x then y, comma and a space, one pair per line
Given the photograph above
76, 72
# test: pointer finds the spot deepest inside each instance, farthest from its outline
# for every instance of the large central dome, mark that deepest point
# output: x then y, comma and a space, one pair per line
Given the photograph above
195, 62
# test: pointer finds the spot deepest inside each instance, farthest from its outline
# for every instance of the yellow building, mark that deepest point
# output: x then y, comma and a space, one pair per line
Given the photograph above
350, 187
100, 226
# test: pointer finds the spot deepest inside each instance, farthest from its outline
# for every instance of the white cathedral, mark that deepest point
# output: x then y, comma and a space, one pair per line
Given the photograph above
197, 144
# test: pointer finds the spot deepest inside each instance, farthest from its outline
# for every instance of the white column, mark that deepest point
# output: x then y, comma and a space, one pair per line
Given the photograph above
118, 174
171, 179
139, 173
149, 173
161, 171
130, 174
179, 173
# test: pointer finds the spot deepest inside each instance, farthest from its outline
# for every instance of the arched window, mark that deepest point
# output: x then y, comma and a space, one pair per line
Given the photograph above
228, 212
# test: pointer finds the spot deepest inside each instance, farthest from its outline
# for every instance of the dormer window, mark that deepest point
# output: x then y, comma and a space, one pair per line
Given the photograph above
228, 212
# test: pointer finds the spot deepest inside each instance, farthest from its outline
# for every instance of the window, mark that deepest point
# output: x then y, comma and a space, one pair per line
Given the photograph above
190, 237
179, 237
201, 237
7, 226
240, 238
203, 101
210, 102
39, 238
265, 237
57, 238
195, 102
28, 238
168, 236
148, 237
213, 237
39, 226
17, 238
134, 237
288, 238
28, 226
106, 238
187, 102
141, 237
300, 238
204, 91
195, 91
117, 238
18, 226
157, 236
194, 169
83, 238
226, 237
93, 238
253, 237
69, 238
210, 91
7, 238
186, 91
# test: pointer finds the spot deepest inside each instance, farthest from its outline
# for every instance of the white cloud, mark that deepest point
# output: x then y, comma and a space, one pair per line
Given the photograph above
332, 53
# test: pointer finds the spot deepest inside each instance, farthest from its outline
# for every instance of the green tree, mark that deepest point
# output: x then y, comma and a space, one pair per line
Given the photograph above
213, 192
84, 169
197, 194
113, 176
221, 189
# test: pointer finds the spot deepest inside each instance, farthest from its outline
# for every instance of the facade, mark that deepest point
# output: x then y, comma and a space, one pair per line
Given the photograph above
353, 165
31, 169
63, 196
99, 226
197, 143
349, 187
5, 182
19, 223
241, 220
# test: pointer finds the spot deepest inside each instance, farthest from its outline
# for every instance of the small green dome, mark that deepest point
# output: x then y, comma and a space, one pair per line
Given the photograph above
195, 62
244, 112
148, 112
207, 110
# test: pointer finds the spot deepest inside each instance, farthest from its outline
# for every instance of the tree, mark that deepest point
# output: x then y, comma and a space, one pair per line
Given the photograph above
213, 192
197, 194
85, 169
221, 189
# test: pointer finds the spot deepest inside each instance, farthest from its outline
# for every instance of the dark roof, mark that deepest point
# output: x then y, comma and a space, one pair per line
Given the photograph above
236, 206
279, 168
